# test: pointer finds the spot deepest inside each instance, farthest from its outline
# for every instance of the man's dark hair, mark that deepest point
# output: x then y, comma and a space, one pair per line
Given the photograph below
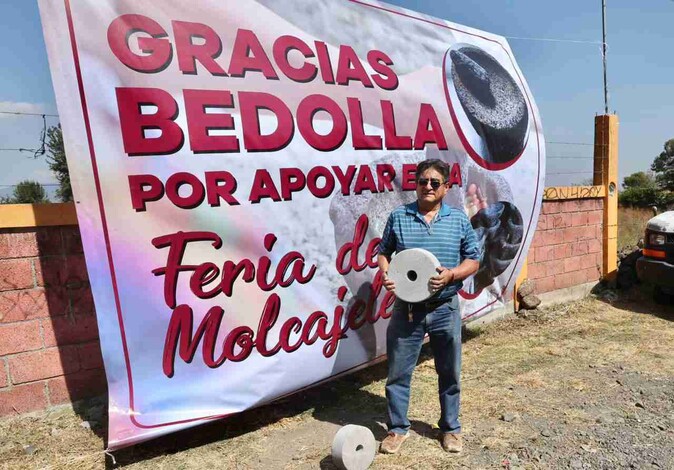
438, 165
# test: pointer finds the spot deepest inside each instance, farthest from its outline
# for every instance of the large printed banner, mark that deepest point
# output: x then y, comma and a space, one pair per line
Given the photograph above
234, 163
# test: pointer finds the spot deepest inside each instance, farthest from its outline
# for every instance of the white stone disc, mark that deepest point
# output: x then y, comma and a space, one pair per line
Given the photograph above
411, 270
353, 448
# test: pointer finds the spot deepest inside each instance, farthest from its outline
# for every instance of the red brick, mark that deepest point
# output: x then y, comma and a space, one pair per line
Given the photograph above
545, 284
20, 337
553, 237
57, 299
579, 219
564, 280
542, 222
72, 387
21, 244
50, 271
594, 245
61, 331
589, 261
593, 274
553, 207
23, 305
72, 240
538, 239
579, 277
90, 355
26, 243
552, 268
545, 253
536, 271
580, 248
77, 270
572, 206
69, 271
16, 274
3, 374
584, 233
43, 364
587, 205
82, 301
572, 264
599, 232
559, 252
22, 399
570, 234
595, 217
560, 220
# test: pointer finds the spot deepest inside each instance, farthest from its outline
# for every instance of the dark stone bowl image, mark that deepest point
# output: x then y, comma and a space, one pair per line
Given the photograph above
492, 102
500, 232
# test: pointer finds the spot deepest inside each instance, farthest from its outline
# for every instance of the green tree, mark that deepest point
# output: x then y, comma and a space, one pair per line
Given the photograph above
639, 180
663, 167
58, 164
27, 192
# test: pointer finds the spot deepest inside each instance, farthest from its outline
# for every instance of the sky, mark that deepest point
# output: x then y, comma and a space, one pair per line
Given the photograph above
561, 62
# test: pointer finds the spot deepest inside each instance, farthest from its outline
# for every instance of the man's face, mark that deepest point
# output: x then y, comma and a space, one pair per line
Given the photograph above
426, 193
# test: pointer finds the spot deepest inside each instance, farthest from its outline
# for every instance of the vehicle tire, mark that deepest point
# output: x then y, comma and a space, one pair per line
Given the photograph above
660, 296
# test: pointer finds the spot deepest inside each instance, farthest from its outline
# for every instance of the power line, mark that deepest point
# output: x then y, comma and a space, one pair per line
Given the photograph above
15, 185
576, 41
574, 173
570, 143
19, 113
564, 157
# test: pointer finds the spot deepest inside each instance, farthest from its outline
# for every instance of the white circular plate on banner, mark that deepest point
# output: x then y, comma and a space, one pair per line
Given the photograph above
411, 270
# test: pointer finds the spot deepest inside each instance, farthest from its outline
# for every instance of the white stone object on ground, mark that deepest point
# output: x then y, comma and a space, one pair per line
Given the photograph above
353, 448
411, 270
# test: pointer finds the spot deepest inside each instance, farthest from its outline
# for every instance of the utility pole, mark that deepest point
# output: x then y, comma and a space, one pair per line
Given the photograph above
603, 45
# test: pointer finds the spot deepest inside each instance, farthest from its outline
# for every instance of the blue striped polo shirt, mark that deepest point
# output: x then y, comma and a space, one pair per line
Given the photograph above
449, 236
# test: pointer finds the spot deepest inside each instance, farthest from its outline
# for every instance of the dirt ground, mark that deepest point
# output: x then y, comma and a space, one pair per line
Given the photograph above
588, 384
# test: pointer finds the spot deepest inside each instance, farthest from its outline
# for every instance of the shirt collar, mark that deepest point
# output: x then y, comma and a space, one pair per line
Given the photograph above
413, 209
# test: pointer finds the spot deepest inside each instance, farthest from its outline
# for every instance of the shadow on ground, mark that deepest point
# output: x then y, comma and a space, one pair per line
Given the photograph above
639, 298
342, 401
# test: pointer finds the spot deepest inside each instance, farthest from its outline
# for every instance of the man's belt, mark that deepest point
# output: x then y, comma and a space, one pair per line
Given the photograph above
430, 304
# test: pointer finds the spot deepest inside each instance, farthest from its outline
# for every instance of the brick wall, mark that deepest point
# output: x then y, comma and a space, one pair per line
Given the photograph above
49, 350
567, 247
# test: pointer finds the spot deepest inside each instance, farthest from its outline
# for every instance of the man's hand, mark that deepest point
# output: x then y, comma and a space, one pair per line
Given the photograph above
444, 278
389, 285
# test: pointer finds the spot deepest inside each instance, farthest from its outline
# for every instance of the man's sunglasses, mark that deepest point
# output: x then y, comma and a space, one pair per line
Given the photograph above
435, 183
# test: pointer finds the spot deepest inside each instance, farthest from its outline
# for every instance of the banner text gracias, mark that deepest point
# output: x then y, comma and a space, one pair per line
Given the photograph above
143, 45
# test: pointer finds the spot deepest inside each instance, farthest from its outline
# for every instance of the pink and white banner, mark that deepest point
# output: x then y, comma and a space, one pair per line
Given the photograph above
234, 164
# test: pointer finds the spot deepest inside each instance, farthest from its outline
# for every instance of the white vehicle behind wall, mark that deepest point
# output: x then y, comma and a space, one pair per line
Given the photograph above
657, 263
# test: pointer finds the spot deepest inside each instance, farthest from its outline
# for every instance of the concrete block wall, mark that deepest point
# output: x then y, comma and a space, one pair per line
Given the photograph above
49, 349
567, 247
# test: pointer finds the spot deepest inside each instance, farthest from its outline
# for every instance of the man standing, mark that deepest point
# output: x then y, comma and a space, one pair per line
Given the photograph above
447, 233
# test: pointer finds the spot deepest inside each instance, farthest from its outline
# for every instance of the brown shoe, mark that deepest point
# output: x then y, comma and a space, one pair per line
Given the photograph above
391, 444
452, 442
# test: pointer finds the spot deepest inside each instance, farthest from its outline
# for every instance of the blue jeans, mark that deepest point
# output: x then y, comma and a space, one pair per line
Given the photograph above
404, 339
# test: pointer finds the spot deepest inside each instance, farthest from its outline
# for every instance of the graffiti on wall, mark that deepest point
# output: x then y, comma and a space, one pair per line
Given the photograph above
557, 193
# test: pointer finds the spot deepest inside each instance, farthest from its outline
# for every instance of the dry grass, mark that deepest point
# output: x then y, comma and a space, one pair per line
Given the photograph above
539, 367
631, 225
